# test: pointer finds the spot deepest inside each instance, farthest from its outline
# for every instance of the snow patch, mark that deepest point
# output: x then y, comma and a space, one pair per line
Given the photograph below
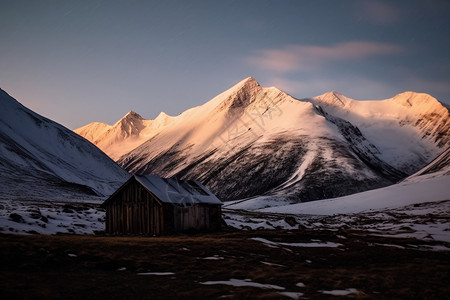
292, 295
341, 292
245, 282
215, 257
304, 245
272, 264
156, 273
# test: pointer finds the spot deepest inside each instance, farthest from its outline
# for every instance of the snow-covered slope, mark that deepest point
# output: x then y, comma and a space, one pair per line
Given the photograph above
409, 129
431, 184
124, 136
40, 159
394, 196
251, 141
438, 167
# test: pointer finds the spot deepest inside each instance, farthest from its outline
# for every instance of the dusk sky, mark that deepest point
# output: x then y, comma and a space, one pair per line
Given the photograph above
82, 61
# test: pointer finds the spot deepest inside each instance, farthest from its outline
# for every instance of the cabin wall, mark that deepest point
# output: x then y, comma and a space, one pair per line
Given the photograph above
199, 217
134, 210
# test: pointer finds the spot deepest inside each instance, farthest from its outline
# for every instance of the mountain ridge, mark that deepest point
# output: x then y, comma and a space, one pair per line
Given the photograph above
418, 119
250, 141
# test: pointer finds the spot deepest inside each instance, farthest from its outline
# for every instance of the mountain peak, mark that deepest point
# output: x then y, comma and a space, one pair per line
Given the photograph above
162, 117
249, 81
132, 114
248, 84
130, 124
129, 118
410, 99
334, 98
241, 94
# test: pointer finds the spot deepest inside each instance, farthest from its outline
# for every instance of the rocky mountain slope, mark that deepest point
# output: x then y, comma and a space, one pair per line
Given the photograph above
251, 141
40, 159
428, 185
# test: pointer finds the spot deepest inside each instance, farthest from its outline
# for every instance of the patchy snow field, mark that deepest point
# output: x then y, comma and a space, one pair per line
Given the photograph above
29, 217
424, 221
241, 264
416, 208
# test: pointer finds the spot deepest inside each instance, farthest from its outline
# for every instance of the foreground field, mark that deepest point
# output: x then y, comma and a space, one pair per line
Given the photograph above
245, 265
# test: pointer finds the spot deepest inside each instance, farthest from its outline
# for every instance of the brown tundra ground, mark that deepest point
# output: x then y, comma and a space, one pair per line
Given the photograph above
359, 266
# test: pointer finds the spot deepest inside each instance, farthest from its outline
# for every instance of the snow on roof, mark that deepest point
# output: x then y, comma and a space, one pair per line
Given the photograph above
176, 191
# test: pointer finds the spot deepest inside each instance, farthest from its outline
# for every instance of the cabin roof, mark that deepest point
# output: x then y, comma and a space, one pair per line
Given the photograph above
175, 191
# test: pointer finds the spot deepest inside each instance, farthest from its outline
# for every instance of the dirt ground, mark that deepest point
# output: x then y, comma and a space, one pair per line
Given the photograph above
102, 267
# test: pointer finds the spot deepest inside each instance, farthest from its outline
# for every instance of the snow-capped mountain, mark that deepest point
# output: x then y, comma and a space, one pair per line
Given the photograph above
252, 141
409, 129
127, 134
40, 159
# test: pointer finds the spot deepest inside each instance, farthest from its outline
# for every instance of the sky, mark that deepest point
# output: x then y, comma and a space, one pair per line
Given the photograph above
77, 62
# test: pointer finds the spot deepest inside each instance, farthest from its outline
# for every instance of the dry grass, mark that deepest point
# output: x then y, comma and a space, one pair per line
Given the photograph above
39, 267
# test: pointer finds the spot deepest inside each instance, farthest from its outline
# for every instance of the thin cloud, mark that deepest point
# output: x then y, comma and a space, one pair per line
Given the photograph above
286, 85
306, 57
378, 12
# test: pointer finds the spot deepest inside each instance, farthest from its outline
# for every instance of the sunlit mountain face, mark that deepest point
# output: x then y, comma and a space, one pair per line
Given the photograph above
253, 141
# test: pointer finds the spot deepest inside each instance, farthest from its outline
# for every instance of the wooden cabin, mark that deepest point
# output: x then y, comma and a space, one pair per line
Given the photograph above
151, 205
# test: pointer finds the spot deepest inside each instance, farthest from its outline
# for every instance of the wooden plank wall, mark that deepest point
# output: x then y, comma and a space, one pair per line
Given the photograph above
196, 217
134, 211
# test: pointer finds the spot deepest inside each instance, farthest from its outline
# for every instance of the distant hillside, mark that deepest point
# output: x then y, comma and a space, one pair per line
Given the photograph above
40, 159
